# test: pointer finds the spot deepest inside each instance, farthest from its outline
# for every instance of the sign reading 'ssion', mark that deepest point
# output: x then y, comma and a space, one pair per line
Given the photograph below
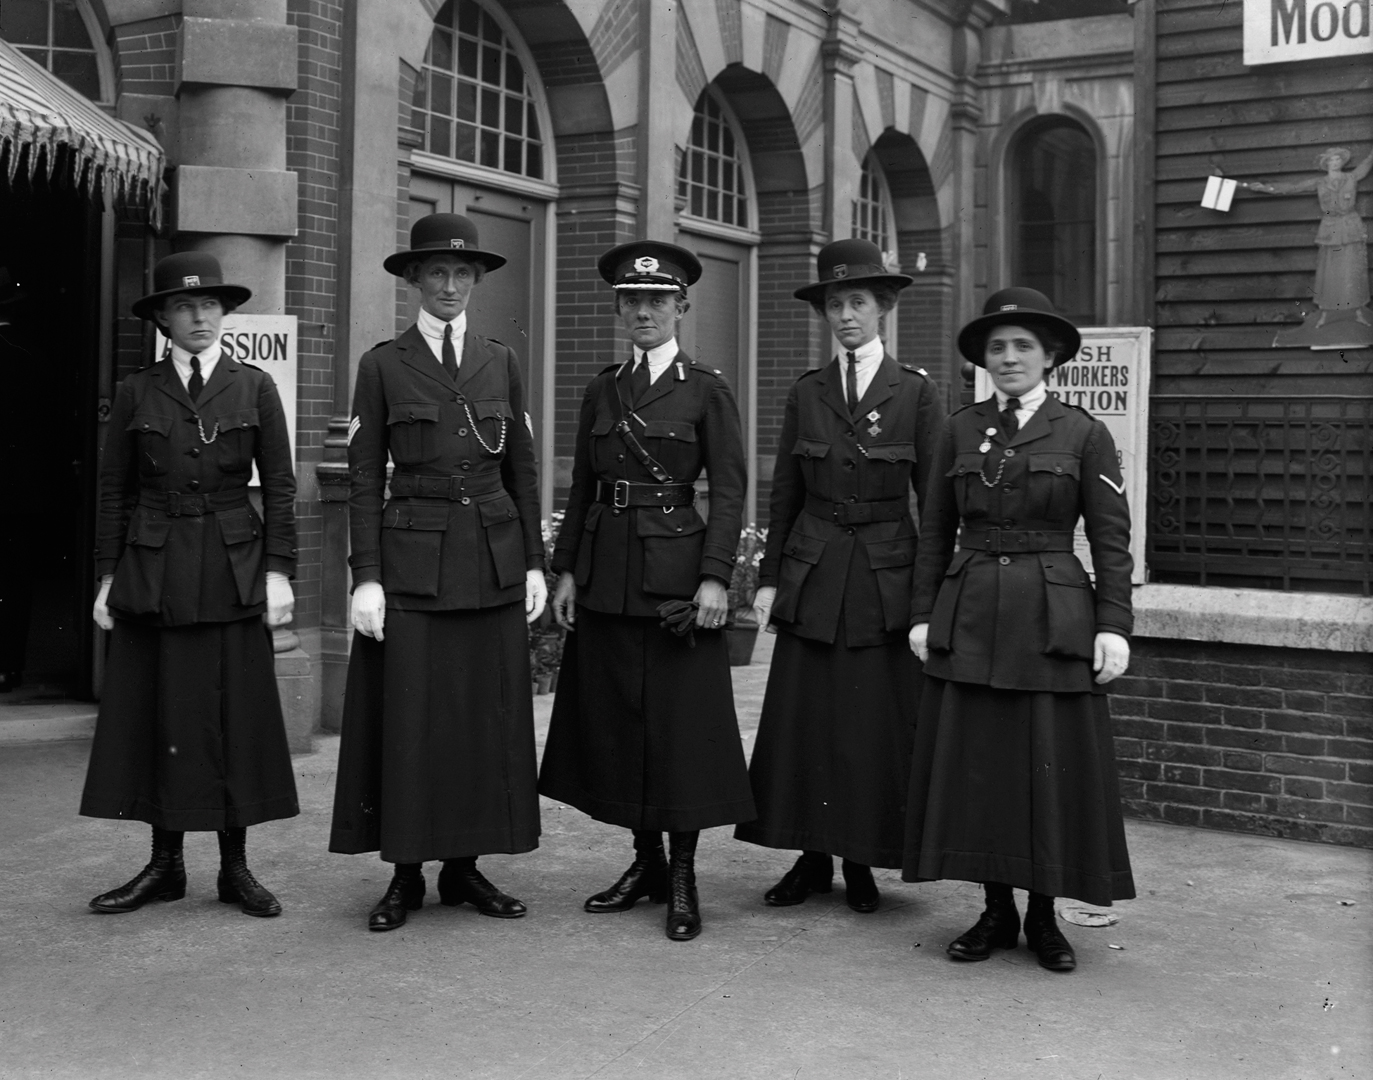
1282, 31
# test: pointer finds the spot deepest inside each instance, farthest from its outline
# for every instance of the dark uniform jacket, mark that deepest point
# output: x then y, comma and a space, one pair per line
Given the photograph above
175, 527
1023, 616
826, 560
629, 561
462, 524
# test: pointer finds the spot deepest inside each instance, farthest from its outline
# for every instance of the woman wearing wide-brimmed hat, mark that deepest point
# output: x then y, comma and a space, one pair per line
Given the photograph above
1013, 778
190, 734
437, 757
829, 768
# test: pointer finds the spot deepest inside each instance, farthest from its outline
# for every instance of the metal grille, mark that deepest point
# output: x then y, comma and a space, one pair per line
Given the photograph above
1261, 492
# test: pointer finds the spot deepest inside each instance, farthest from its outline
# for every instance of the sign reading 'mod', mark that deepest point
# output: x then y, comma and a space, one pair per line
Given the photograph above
1281, 31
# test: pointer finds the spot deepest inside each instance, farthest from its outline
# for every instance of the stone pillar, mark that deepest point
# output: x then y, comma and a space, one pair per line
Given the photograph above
658, 93
840, 52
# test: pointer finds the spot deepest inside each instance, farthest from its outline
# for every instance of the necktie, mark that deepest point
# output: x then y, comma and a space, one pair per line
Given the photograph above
450, 357
639, 382
1009, 424
851, 381
196, 383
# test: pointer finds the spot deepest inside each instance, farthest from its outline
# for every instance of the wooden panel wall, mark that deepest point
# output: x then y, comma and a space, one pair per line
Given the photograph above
1225, 284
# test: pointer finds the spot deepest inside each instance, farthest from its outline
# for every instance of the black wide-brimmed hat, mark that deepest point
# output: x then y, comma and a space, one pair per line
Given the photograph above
1016, 307
649, 264
443, 234
849, 262
190, 272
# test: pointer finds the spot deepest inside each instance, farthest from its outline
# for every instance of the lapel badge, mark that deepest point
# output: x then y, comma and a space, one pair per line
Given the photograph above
681, 372
874, 416
987, 440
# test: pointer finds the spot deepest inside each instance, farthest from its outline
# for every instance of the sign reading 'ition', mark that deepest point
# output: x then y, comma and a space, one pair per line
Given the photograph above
1281, 31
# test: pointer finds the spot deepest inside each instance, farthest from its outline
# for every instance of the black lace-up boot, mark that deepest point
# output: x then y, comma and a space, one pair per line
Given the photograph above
646, 876
683, 906
236, 882
998, 928
164, 878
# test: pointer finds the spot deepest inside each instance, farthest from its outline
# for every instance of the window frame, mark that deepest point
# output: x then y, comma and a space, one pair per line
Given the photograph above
104, 59
706, 226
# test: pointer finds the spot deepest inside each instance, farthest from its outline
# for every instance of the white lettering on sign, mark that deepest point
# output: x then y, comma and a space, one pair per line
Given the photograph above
1281, 31
1109, 378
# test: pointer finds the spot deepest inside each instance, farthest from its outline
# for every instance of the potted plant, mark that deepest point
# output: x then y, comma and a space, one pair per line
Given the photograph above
545, 635
741, 631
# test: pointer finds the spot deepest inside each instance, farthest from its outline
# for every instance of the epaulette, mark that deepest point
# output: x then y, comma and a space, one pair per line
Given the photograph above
808, 373
913, 369
379, 344
706, 370
965, 408
612, 367
244, 363
1079, 408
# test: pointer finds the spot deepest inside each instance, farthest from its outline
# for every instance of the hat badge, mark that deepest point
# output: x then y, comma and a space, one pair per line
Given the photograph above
1010, 307
646, 265
841, 270
191, 281
457, 242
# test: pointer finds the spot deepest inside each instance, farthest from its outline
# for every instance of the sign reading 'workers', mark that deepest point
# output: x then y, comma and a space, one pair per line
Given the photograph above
1281, 31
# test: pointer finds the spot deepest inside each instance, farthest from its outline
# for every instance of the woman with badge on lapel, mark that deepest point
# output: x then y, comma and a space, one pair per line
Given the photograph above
643, 733
190, 734
1013, 778
437, 756
829, 767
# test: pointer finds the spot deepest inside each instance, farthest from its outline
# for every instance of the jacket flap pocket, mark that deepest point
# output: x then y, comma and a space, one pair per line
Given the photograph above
683, 521
1061, 464
149, 528
956, 564
966, 463
241, 418
1062, 568
487, 410
407, 412
428, 518
602, 425
810, 448
807, 549
152, 423
681, 430
494, 511
896, 451
898, 552
238, 525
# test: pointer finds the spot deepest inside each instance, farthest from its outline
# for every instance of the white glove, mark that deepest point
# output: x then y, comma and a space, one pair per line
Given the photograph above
281, 601
369, 609
1110, 656
535, 594
919, 638
101, 611
762, 606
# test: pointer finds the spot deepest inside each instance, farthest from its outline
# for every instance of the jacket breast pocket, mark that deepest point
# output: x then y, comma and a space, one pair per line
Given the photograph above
890, 465
152, 433
893, 562
1070, 607
236, 440
799, 555
946, 603
413, 427
412, 548
1053, 486
676, 430
137, 586
241, 532
673, 544
492, 420
966, 474
504, 539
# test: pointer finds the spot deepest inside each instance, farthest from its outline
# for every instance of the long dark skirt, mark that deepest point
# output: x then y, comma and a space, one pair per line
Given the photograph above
190, 734
1017, 787
437, 757
644, 733
831, 766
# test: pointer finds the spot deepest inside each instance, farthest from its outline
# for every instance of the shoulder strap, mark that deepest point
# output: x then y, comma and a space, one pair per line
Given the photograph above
636, 448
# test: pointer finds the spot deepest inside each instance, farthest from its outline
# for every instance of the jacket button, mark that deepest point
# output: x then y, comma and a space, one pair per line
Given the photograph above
850, 530
462, 431
848, 464
849, 434
616, 512
679, 528
671, 434
194, 485
853, 498
1058, 468
465, 500
409, 523
1008, 489
1010, 453
194, 451
146, 426
619, 457
1008, 523
1005, 560
510, 513
466, 465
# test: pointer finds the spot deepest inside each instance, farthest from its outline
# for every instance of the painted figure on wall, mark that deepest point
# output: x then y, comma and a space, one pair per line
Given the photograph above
1344, 320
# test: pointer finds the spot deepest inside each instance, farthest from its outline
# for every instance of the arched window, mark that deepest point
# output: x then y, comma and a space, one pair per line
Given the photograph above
871, 213
473, 100
711, 179
57, 34
1053, 212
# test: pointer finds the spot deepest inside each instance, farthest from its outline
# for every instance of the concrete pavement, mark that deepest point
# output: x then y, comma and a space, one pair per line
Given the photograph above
1243, 958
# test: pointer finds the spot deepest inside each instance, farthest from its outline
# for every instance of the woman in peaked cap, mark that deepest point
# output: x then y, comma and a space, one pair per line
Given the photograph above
190, 734
829, 767
1013, 778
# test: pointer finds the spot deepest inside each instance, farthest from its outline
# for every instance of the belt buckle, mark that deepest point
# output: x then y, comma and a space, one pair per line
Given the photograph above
173, 504
618, 492
455, 488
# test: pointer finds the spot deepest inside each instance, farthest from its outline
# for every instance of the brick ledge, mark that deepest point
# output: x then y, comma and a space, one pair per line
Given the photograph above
1255, 617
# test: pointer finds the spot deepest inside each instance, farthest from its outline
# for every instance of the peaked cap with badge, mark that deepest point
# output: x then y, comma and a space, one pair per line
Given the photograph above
849, 262
443, 234
1016, 306
649, 264
194, 272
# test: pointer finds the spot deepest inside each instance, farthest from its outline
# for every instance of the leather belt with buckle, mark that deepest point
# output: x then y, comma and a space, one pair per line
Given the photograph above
622, 493
1013, 540
856, 513
182, 503
458, 489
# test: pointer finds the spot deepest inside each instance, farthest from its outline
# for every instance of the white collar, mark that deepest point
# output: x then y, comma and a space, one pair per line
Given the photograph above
431, 326
1029, 401
659, 356
865, 356
208, 357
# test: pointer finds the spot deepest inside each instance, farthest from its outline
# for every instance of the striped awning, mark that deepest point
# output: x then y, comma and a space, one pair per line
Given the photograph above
40, 116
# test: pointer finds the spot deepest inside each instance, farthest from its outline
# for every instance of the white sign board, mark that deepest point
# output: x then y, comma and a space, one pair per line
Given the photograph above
268, 342
1281, 31
1109, 378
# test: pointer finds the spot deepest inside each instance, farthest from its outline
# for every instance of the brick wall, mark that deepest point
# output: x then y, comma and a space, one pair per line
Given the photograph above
145, 56
1277, 742
313, 153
